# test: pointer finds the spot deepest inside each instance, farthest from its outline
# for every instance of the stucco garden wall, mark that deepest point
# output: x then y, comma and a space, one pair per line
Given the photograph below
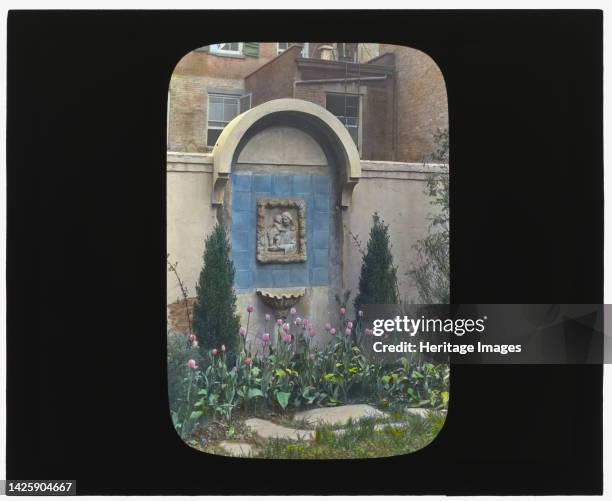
395, 190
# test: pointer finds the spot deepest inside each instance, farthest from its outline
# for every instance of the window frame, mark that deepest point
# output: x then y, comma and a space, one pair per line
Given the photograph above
236, 98
214, 50
359, 116
304, 46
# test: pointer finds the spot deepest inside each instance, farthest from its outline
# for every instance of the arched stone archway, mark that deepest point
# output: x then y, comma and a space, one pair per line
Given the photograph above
301, 114
284, 172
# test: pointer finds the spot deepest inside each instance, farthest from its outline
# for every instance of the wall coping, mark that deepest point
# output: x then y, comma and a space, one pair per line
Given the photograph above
374, 166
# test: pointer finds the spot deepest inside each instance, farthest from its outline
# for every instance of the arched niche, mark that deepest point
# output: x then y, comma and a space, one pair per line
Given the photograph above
317, 121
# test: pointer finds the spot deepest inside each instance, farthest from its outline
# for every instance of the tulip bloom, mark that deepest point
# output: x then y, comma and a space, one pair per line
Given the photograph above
215, 352
192, 364
267, 317
342, 311
332, 331
265, 338
250, 308
242, 332
248, 362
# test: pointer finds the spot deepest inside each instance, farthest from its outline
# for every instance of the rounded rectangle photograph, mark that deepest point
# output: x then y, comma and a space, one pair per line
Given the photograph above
307, 183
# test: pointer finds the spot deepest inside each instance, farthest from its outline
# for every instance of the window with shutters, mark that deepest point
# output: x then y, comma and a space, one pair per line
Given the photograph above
227, 48
222, 108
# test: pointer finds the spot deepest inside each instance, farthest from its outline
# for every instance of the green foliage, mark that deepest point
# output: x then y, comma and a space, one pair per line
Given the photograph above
291, 371
367, 438
432, 269
214, 315
378, 279
182, 383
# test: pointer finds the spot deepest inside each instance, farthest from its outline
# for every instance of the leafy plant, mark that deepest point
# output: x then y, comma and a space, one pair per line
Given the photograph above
432, 269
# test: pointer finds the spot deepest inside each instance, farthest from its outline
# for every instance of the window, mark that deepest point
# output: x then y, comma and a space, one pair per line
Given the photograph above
283, 46
222, 108
226, 48
347, 52
245, 103
346, 108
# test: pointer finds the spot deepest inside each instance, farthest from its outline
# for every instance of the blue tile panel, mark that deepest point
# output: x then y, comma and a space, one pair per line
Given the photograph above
246, 189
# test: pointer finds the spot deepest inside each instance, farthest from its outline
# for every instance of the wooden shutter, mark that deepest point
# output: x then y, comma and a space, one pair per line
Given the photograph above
250, 49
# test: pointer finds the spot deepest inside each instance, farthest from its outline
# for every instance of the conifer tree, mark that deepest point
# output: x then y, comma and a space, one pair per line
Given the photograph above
214, 317
378, 279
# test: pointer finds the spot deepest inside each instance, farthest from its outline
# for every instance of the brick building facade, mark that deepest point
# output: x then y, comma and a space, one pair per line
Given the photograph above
392, 99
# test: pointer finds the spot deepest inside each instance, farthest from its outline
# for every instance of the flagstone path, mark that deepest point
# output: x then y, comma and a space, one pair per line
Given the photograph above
334, 416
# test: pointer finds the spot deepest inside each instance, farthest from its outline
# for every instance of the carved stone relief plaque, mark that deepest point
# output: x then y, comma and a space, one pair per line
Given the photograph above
281, 230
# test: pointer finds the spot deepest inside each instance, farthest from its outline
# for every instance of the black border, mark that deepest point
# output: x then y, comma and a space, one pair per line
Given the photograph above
86, 240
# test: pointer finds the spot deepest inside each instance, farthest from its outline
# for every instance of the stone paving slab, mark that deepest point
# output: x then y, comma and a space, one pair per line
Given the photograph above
238, 449
338, 415
266, 430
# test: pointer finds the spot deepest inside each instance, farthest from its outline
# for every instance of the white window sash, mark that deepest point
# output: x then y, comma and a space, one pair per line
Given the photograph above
216, 49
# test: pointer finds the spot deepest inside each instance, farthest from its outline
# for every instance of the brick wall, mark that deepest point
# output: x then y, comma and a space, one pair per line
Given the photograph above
273, 80
422, 105
194, 74
177, 316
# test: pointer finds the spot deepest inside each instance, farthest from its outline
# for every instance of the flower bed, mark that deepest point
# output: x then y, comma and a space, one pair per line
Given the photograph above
289, 372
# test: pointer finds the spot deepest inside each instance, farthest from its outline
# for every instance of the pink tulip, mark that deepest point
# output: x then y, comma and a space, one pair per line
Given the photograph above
350, 325
286, 327
248, 362
242, 332
360, 313
215, 352
250, 308
306, 322
265, 338
298, 321
279, 322
293, 311
327, 326
348, 332
192, 338
287, 338
311, 332
192, 364
342, 311
311, 357
267, 317
332, 331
